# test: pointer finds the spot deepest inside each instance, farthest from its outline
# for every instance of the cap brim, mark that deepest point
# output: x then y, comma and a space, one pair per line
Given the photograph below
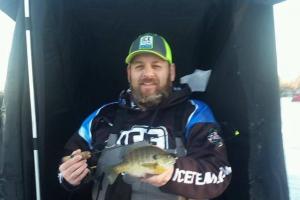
135, 53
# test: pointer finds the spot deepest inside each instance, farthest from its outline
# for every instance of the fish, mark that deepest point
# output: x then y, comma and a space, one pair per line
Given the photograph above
85, 155
140, 161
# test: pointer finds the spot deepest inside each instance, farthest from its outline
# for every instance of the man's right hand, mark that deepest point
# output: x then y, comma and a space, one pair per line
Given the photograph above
74, 169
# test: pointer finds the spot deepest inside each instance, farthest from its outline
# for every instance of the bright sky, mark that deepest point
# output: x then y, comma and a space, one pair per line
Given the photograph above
7, 27
287, 28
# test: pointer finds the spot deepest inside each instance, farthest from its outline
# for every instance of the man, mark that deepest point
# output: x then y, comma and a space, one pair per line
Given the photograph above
155, 111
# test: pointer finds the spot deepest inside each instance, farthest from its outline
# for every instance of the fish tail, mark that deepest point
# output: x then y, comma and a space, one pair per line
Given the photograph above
111, 176
113, 172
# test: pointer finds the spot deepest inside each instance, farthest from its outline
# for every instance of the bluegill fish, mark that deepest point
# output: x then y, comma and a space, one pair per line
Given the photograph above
141, 161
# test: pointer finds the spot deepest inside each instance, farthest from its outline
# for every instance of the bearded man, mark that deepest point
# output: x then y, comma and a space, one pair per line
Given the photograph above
155, 111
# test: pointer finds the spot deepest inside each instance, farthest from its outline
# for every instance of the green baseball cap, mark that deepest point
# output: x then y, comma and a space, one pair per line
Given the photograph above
150, 43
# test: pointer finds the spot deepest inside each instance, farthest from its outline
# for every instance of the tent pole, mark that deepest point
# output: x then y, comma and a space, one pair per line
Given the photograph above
32, 98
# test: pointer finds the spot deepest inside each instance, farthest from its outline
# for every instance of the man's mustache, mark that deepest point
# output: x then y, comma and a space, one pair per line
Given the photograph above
148, 80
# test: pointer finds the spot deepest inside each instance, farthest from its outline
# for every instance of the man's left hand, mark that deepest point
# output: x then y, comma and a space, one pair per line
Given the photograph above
160, 179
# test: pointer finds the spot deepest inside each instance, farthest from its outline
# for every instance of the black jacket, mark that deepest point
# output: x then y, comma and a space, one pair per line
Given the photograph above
203, 173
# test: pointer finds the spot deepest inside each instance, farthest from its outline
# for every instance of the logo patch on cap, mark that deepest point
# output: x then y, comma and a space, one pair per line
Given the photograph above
146, 42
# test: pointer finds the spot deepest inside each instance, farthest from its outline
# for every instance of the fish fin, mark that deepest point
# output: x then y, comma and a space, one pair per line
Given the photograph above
159, 169
113, 172
149, 165
135, 146
111, 175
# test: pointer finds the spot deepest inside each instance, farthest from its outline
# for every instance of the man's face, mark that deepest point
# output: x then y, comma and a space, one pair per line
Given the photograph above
150, 79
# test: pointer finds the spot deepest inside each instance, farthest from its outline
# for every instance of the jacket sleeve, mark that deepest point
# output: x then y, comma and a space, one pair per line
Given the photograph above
74, 143
204, 173
92, 130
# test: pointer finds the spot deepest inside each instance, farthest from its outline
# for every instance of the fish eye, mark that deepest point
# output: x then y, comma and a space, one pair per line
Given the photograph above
155, 157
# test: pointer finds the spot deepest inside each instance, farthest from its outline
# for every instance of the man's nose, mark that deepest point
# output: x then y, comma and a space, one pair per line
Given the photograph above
148, 71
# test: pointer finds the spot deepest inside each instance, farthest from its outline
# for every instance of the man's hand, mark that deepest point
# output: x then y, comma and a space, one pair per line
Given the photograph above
74, 169
159, 180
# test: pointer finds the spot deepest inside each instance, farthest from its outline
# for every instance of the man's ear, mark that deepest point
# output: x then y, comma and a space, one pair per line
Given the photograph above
128, 73
173, 71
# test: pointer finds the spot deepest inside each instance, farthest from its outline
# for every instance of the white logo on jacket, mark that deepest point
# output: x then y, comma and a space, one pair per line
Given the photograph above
157, 136
192, 177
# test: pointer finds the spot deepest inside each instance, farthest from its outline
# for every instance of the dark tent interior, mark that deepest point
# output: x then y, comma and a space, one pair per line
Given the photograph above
78, 53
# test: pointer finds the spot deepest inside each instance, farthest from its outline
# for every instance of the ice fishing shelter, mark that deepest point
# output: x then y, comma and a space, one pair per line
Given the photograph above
78, 51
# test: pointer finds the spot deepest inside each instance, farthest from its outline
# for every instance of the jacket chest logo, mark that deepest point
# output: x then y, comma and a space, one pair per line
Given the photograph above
157, 136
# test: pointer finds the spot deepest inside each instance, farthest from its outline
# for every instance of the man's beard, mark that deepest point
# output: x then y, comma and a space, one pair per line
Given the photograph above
148, 101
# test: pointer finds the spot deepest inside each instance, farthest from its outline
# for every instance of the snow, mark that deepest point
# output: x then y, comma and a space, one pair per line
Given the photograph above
290, 114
